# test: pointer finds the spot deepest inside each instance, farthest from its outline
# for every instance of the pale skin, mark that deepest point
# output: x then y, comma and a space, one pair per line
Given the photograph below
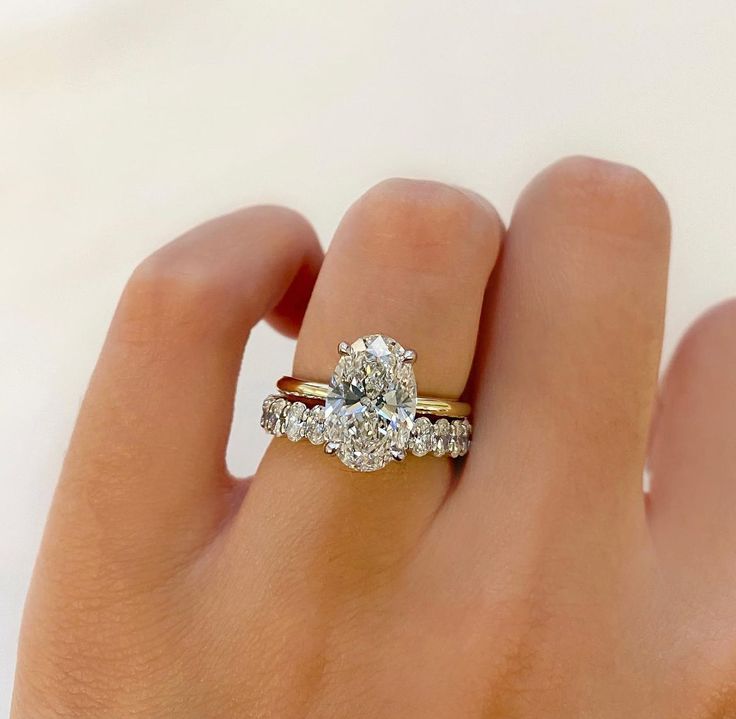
533, 580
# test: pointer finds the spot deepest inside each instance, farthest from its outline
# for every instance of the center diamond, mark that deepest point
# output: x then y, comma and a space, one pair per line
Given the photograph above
370, 408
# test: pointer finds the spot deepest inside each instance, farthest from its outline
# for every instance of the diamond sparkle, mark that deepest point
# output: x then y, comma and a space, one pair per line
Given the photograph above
371, 404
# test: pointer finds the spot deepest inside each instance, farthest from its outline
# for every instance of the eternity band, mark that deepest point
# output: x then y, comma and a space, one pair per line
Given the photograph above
367, 414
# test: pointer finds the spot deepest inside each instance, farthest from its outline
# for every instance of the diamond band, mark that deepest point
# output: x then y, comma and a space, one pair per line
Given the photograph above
367, 415
281, 417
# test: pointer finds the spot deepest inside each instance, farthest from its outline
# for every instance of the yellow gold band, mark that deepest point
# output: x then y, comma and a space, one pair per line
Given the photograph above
306, 389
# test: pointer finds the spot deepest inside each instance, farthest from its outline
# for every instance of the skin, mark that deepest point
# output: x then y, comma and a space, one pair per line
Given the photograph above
534, 579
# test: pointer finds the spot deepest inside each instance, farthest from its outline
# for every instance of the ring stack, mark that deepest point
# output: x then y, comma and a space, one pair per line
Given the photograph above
369, 414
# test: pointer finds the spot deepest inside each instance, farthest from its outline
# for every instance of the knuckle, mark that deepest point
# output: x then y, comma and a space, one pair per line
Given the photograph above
172, 280
96, 660
598, 175
444, 223
606, 194
168, 291
714, 329
189, 286
284, 224
418, 201
718, 322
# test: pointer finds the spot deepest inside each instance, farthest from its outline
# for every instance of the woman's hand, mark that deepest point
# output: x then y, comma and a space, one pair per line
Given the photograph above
534, 581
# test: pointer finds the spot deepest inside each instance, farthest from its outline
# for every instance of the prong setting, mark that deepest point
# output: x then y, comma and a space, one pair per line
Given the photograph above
367, 415
398, 455
331, 447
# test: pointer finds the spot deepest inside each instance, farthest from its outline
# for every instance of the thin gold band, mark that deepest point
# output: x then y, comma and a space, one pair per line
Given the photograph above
436, 406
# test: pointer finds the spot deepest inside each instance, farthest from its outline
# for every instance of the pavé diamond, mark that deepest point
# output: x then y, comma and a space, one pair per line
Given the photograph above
371, 405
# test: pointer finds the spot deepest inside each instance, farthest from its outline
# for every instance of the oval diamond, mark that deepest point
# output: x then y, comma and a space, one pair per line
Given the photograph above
371, 404
460, 438
293, 424
265, 408
422, 436
442, 437
315, 425
274, 418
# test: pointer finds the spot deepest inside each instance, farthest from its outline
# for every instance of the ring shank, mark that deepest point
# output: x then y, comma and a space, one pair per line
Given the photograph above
436, 406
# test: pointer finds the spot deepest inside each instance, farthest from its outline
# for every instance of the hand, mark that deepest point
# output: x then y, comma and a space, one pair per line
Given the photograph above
534, 581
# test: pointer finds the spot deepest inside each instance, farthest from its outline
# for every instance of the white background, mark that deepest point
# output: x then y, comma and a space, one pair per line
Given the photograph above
123, 122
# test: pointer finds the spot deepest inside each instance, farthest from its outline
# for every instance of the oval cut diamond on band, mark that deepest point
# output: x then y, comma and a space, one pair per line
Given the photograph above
368, 414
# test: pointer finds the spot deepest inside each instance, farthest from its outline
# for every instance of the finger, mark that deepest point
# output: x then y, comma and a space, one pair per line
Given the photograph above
148, 452
413, 257
410, 260
287, 315
693, 452
570, 346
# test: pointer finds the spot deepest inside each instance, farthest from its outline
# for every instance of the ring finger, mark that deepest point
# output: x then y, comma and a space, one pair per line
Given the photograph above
410, 260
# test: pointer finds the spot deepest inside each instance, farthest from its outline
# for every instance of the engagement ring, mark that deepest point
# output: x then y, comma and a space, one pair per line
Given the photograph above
369, 414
